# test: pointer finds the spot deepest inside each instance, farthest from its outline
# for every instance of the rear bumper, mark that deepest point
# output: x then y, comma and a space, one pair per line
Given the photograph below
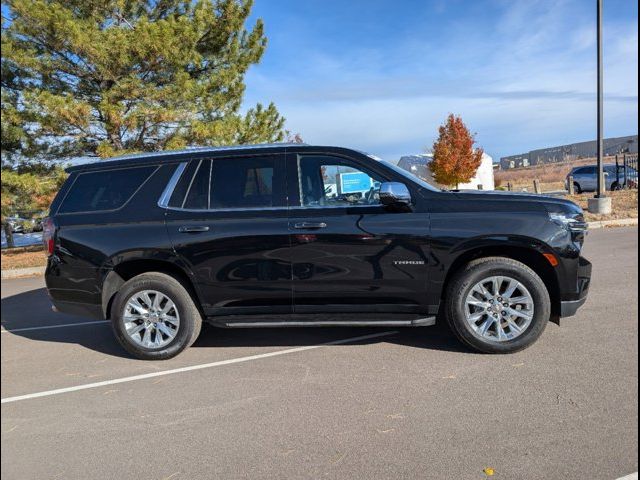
568, 308
82, 309
73, 290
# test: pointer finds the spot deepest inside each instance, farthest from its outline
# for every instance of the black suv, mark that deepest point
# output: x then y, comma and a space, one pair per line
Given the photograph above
299, 235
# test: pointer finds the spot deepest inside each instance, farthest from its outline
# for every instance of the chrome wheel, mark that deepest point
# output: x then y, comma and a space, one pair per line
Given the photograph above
499, 308
151, 319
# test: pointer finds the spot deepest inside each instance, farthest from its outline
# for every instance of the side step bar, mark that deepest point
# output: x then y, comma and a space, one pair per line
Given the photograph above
419, 322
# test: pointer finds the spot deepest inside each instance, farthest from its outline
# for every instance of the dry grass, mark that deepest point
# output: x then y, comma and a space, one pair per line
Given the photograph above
625, 205
551, 176
23, 257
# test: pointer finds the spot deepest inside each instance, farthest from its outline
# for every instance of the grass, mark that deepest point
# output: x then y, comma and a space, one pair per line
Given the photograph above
551, 179
624, 205
23, 257
551, 175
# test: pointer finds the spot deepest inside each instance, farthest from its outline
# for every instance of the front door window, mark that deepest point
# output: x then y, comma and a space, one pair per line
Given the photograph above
331, 182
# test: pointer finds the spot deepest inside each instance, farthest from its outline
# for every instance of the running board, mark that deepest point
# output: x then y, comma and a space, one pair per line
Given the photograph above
419, 322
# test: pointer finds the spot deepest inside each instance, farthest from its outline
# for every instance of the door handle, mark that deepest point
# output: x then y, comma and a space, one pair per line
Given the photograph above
193, 229
308, 225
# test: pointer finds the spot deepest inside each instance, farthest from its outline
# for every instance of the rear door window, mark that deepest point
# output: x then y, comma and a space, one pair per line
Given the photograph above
247, 183
198, 191
180, 190
231, 183
104, 190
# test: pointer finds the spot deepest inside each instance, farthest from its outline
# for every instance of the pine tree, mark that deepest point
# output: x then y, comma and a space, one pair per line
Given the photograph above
102, 77
455, 161
26, 192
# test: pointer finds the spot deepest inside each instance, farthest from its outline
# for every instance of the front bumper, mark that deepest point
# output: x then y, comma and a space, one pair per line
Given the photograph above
568, 308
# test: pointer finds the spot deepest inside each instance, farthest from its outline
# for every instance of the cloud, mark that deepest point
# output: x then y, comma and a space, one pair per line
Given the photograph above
525, 81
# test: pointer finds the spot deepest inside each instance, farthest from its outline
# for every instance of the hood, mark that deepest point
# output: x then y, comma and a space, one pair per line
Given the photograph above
552, 204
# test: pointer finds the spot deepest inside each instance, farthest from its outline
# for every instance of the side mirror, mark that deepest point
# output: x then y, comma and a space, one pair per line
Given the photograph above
394, 193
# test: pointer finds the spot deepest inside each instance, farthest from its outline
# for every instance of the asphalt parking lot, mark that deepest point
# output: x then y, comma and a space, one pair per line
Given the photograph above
253, 404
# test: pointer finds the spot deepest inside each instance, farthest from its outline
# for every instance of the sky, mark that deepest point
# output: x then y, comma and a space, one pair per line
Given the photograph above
382, 75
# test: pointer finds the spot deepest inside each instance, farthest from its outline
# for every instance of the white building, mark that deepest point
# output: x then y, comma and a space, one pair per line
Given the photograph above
419, 166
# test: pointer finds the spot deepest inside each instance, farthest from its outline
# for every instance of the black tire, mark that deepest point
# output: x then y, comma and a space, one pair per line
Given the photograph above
474, 272
615, 186
190, 316
576, 187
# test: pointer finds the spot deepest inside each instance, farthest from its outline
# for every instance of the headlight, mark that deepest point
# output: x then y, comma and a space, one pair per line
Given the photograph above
573, 222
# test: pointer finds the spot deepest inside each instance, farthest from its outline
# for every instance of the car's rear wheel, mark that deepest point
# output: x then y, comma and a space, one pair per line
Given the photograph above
576, 187
154, 316
497, 305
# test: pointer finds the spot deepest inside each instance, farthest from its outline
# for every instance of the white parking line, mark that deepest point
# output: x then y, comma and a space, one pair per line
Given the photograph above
631, 476
4, 330
191, 368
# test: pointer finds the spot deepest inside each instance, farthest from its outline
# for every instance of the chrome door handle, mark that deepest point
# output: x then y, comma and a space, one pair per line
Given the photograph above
307, 225
194, 229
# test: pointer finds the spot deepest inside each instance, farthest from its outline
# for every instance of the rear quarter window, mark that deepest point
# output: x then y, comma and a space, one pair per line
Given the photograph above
104, 190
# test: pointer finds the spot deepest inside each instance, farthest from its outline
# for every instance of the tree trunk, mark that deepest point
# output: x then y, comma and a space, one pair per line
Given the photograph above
114, 136
8, 234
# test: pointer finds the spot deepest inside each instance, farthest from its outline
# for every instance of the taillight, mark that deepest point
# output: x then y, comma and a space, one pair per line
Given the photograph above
48, 231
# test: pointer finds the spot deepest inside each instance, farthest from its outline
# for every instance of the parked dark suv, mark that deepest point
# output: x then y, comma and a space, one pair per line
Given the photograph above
297, 235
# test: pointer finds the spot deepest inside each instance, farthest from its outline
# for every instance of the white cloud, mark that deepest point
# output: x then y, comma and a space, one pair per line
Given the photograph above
527, 82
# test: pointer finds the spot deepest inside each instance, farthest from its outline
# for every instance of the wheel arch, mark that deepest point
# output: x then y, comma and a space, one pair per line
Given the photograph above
531, 257
126, 270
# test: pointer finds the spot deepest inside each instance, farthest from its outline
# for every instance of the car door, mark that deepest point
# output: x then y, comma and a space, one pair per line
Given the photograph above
227, 220
579, 177
611, 176
589, 178
350, 253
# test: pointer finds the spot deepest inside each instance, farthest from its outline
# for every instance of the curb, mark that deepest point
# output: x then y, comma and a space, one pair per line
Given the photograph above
23, 272
623, 222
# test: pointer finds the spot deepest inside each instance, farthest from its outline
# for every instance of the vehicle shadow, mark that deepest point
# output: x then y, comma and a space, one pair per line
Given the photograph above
33, 309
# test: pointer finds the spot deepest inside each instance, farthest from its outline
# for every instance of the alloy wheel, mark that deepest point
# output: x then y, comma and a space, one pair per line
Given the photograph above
151, 319
499, 308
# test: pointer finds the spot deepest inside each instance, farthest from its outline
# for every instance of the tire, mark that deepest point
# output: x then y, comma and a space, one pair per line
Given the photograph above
615, 186
185, 310
576, 187
481, 269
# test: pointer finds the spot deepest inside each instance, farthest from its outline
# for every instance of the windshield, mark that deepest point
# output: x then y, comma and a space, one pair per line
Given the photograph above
405, 174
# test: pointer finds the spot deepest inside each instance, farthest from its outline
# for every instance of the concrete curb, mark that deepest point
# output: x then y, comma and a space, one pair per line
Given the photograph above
623, 222
28, 272
23, 272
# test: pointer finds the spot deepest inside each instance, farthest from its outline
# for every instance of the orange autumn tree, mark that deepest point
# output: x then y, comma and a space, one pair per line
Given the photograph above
455, 161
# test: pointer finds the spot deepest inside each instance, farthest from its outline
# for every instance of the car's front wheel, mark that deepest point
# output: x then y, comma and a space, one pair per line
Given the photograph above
154, 316
497, 305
